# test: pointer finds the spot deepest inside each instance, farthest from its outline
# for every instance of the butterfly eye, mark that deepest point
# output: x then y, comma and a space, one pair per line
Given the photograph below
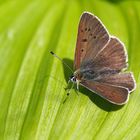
85, 29
82, 50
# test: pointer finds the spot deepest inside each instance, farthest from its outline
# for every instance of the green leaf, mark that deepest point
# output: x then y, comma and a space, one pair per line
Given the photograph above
33, 82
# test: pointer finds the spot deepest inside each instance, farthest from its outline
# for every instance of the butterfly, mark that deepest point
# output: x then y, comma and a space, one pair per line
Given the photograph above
100, 61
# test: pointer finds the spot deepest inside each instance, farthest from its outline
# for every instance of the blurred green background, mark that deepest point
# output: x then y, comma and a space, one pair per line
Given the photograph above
32, 81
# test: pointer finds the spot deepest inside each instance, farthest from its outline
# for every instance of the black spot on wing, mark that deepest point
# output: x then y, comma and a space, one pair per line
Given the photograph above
84, 40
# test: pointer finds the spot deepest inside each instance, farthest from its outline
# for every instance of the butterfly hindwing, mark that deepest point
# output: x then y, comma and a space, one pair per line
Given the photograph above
122, 79
92, 37
114, 94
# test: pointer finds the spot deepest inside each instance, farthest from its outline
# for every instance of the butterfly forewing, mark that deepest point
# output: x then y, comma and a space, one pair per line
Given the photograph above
113, 94
92, 37
111, 58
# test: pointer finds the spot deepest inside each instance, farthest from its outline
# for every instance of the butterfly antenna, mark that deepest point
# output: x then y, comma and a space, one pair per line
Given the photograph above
61, 61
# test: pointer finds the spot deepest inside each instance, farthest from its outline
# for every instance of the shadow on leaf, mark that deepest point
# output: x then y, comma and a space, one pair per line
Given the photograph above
114, 1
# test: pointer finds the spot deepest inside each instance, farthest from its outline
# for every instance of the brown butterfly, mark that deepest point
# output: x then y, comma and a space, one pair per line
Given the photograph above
99, 61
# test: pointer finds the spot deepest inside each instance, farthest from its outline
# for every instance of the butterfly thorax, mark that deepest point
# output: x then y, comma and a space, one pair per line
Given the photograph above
82, 74
90, 74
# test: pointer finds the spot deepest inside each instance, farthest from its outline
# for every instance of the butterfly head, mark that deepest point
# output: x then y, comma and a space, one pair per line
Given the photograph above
73, 78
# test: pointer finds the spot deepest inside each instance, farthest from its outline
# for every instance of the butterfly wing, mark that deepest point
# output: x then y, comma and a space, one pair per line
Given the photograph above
111, 57
102, 74
92, 37
125, 80
114, 94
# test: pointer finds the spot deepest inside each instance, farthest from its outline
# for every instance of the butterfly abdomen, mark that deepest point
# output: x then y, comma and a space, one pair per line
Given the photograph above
88, 74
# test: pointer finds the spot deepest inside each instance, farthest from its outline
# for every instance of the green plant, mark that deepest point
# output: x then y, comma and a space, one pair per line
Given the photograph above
32, 82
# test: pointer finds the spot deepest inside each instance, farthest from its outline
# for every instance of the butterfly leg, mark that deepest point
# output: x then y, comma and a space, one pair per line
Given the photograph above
68, 91
77, 83
77, 86
67, 87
